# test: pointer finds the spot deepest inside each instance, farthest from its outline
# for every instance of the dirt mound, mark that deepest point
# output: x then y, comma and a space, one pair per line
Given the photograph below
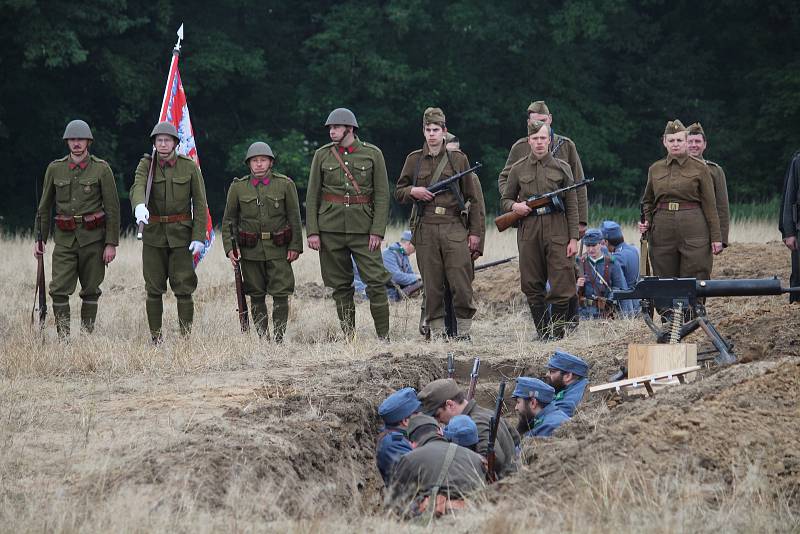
312, 290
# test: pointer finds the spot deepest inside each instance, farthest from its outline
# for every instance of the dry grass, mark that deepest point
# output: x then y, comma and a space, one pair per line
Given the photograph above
75, 418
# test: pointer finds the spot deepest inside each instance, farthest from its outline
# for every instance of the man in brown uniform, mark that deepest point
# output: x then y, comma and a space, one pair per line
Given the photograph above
83, 190
448, 232
681, 211
442, 399
696, 144
546, 239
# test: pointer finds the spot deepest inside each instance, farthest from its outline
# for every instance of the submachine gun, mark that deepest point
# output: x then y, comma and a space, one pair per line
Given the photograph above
671, 295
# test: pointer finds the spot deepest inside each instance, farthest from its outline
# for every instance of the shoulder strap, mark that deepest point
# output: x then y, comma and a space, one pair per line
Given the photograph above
346, 170
440, 168
448, 459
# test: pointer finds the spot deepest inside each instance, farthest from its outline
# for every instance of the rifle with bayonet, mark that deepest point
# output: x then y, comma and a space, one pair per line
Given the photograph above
451, 365
40, 298
473, 378
411, 289
494, 424
549, 201
241, 300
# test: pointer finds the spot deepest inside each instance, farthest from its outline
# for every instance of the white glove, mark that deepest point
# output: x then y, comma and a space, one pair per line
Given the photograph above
197, 247
142, 214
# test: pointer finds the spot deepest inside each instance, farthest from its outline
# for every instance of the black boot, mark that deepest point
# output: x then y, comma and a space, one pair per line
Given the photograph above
558, 321
540, 320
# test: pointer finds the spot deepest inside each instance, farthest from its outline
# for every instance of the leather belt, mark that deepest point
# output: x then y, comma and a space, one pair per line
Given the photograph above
171, 218
346, 199
678, 206
440, 210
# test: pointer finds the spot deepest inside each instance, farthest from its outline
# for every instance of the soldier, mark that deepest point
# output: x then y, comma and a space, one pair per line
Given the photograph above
462, 431
347, 208
84, 192
680, 206
443, 400
174, 231
264, 210
392, 442
567, 374
539, 417
396, 260
627, 256
546, 239
598, 274
789, 222
561, 147
437, 476
696, 144
452, 143
449, 231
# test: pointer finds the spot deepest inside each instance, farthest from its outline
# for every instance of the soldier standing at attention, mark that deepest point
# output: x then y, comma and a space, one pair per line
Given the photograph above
448, 232
264, 211
84, 192
681, 210
347, 209
174, 231
696, 144
547, 238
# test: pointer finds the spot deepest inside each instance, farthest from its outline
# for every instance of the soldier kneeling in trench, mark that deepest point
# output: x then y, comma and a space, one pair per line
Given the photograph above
436, 477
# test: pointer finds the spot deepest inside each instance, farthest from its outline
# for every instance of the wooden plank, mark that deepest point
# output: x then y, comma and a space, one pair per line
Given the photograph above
646, 359
641, 379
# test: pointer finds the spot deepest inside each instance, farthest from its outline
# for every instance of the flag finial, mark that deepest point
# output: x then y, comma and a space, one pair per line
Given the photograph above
180, 38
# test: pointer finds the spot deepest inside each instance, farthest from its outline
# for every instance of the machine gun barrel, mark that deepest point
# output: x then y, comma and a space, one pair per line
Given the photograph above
652, 287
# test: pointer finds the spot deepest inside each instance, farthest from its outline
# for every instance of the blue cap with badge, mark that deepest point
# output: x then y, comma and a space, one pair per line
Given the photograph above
533, 388
399, 405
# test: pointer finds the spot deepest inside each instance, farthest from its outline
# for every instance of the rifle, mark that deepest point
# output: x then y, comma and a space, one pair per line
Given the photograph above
439, 187
412, 289
451, 365
494, 423
549, 200
473, 378
147, 189
241, 301
39, 296
644, 247
670, 294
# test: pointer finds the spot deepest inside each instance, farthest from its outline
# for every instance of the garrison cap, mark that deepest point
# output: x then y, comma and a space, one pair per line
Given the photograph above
259, 148
399, 405
673, 127
166, 128
433, 115
342, 116
78, 129
569, 363
611, 230
535, 126
696, 129
406, 235
462, 430
533, 388
420, 425
539, 107
436, 393
593, 236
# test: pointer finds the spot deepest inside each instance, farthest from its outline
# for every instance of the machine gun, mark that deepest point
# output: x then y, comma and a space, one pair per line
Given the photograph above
670, 295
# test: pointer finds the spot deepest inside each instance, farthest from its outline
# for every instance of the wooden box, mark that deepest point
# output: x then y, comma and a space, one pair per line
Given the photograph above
645, 360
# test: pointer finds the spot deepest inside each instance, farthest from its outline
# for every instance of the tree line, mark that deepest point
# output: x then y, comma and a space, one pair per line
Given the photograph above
611, 71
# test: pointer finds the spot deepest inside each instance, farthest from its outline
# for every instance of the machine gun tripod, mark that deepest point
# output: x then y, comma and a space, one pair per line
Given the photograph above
668, 296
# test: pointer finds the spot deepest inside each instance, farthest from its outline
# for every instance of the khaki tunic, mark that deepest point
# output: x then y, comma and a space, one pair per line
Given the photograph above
441, 238
721, 194
567, 151
505, 448
680, 241
542, 239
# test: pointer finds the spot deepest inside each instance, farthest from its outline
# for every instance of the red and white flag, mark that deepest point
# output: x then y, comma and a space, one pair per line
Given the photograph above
175, 109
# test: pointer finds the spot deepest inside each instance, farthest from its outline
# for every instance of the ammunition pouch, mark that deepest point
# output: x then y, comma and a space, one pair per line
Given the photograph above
280, 238
248, 239
90, 221
283, 236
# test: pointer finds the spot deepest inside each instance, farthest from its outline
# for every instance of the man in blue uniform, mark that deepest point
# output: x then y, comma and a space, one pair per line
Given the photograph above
396, 260
392, 442
598, 274
538, 416
625, 254
567, 374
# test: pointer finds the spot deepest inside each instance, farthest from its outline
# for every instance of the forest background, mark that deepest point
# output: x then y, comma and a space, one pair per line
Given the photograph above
611, 71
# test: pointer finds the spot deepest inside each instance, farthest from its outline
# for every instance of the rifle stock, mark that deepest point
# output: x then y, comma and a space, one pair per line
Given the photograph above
40, 307
241, 300
644, 247
507, 220
491, 469
147, 189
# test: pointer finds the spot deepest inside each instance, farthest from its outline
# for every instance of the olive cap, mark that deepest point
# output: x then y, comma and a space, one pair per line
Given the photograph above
433, 116
259, 148
535, 126
673, 127
78, 129
539, 107
696, 129
342, 116
436, 393
165, 128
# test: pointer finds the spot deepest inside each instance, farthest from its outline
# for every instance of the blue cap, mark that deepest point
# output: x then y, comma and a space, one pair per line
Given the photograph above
399, 405
611, 230
533, 388
405, 236
592, 236
569, 363
462, 430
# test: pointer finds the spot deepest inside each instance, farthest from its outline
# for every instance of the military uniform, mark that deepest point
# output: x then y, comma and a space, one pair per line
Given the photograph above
178, 210
542, 239
392, 442
549, 417
398, 265
441, 236
568, 398
788, 222
87, 219
601, 276
680, 204
265, 214
546, 422
344, 218
720, 188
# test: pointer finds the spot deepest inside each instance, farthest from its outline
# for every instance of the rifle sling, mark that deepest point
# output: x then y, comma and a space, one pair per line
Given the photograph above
448, 459
346, 170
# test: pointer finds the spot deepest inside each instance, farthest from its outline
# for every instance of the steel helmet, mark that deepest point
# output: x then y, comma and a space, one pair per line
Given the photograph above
78, 129
342, 116
259, 148
166, 128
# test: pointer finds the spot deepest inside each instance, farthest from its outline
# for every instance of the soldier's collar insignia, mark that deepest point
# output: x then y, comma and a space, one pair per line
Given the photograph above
82, 164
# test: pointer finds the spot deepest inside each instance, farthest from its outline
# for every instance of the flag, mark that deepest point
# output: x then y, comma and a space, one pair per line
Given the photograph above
175, 109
